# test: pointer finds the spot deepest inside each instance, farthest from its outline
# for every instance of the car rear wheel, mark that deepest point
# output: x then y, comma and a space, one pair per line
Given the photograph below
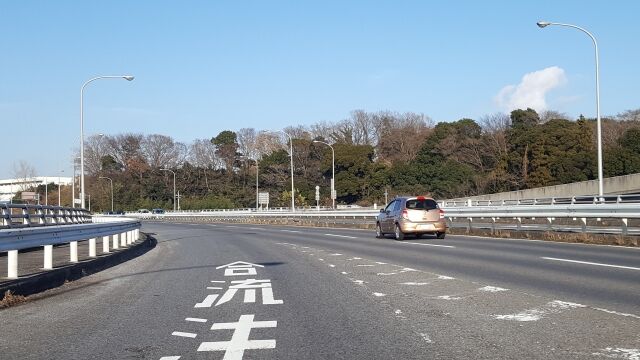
440, 235
399, 234
379, 233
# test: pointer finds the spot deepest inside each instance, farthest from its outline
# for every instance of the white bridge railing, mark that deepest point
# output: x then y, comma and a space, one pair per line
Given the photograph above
115, 232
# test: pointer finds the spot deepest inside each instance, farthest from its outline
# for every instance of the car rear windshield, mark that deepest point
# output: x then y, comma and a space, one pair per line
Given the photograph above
426, 204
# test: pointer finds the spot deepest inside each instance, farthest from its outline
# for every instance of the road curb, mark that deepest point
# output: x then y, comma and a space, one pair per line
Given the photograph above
46, 280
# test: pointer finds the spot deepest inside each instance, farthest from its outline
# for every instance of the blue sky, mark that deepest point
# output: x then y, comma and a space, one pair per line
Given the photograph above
205, 66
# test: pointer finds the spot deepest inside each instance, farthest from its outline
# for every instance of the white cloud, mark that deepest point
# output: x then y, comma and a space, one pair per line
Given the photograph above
532, 90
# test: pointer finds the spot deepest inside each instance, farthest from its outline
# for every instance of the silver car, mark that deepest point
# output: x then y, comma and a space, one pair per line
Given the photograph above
417, 215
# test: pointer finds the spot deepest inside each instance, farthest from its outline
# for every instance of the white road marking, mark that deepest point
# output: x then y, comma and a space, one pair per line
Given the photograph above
592, 263
443, 277
252, 228
184, 334
212, 225
492, 289
425, 337
218, 281
354, 258
320, 259
618, 313
234, 349
170, 358
336, 254
535, 314
620, 353
449, 297
359, 282
424, 244
331, 265
381, 263
365, 265
379, 294
398, 312
213, 288
196, 320
291, 231
207, 302
411, 283
341, 236
344, 273
404, 270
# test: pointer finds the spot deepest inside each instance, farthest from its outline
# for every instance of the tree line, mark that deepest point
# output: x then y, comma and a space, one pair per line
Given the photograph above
375, 152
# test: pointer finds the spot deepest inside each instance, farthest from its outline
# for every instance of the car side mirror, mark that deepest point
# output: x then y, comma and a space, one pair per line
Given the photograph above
382, 210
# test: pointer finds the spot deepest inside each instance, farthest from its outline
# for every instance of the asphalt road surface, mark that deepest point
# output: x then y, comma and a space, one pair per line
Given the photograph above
217, 291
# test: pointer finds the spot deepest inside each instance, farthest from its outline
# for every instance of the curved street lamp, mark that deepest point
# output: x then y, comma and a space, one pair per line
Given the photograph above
543, 24
126, 77
333, 171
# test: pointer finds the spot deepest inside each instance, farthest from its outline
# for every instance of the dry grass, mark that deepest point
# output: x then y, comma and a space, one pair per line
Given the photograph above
10, 300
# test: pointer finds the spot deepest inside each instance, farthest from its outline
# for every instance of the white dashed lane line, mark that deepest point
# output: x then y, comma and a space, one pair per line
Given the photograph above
592, 263
196, 320
341, 236
170, 358
434, 245
184, 334
291, 231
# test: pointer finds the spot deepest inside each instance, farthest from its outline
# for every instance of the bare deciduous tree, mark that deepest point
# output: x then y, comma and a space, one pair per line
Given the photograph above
161, 151
24, 172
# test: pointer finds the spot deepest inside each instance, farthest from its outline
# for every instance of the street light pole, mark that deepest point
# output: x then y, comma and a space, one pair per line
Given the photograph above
110, 180
126, 77
293, 204
174, 187
333, 171
257, 196
543, 24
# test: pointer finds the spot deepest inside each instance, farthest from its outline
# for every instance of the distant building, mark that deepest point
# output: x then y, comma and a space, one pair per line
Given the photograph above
9, 187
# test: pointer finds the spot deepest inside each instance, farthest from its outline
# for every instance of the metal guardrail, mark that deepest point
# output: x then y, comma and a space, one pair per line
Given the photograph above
121, 231
23, 215
473, 214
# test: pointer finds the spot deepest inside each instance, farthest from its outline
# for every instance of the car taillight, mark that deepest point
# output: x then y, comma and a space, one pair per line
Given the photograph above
441, 213
405, 214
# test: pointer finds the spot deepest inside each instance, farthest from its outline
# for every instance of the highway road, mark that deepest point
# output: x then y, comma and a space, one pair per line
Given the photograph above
223, 291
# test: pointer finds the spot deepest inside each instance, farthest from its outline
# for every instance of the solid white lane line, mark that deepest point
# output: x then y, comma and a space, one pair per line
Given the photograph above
196, 320
592, 263
184, 334
291, 231
341, 236
170, 358
435, 245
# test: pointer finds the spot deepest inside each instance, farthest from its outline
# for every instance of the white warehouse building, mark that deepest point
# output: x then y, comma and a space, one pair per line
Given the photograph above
9, 187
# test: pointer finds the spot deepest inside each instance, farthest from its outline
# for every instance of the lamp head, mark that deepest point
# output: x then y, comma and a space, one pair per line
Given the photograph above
543, 24
128, 77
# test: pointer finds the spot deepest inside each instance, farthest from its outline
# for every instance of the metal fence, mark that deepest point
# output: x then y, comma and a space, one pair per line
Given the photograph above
23, 215
573, 214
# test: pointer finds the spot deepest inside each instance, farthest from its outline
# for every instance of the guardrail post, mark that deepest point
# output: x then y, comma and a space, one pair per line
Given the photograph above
550, 223
625, 226
493, 226
123, 239
519, 224
92, 247
116, 245
469, 221
584, 224
12, 264
48, 257
73, 251
105, 244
